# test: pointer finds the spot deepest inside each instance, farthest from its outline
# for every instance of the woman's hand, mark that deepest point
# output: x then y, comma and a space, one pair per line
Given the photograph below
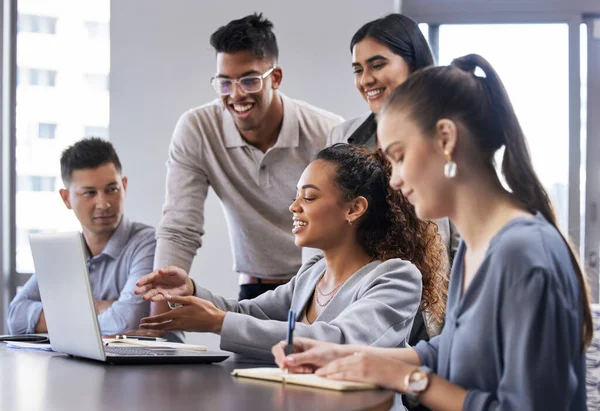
194, 314
370, 367
163, 282
309, 354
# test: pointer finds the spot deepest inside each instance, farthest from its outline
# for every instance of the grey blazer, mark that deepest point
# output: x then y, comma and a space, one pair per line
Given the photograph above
375, 306
341, 132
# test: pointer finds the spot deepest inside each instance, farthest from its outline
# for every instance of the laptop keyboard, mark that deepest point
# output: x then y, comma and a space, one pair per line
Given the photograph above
135, 351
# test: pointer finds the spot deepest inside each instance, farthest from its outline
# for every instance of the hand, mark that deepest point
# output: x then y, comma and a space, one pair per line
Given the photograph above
370, 367
165, 281
195, 314
310, 354
102, 305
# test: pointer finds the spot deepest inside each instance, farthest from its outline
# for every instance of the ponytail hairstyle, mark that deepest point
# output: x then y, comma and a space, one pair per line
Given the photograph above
390, 227
401, 35
482, 106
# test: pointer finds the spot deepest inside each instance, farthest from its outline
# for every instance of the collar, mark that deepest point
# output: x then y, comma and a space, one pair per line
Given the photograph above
118, 240
289, 135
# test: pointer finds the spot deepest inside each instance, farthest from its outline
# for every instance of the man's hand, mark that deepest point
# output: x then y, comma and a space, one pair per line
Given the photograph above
41, 327
166, 281
102, 305
195, 315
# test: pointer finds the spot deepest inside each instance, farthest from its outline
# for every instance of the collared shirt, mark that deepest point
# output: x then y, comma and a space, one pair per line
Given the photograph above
128, 255
255, 188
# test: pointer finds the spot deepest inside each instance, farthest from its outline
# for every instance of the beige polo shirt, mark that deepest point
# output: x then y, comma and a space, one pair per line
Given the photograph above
255, 188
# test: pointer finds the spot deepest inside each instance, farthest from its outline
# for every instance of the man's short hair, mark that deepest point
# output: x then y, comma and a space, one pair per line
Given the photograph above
252, 33
90, 152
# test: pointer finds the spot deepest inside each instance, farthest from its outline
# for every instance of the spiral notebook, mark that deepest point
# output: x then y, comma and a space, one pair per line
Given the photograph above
309, 380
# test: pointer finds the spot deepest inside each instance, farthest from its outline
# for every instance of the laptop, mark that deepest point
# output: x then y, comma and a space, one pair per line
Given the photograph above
63, 279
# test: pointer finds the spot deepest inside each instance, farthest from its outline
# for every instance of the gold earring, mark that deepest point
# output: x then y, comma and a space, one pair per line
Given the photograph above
450, 166
350, 223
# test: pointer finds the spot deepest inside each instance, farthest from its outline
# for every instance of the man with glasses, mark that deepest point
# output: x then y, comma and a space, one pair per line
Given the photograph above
251, 146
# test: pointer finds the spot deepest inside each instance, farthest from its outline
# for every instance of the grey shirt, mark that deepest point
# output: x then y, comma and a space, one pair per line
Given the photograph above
375, 306
255, 188
514, 340
128, 255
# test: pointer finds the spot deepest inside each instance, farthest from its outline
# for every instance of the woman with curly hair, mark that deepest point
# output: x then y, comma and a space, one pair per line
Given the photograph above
366, 286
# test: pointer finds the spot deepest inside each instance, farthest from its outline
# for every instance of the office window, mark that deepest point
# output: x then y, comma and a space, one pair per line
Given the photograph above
97, 81
96, 131
51, 112
529, 58
36, 183
47, 130
27, 23
97, 30
36, 77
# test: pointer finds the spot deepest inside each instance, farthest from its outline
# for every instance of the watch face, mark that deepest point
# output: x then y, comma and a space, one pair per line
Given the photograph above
418, 381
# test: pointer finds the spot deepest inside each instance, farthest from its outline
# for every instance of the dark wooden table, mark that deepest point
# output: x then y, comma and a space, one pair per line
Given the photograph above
36, 380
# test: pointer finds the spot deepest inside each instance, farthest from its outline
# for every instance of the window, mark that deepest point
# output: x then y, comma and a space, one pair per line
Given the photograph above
36, 77
97, 81
36, 183
97, 30
47, 130
27, 23
48, 120
533, 61
96, 131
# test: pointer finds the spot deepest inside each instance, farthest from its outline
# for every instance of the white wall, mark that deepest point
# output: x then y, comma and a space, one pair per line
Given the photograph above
161, 62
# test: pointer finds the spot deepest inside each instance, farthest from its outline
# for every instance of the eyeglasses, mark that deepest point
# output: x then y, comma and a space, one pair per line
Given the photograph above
250, 84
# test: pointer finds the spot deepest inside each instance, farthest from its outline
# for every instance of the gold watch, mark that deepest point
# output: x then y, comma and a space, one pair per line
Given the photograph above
417, 381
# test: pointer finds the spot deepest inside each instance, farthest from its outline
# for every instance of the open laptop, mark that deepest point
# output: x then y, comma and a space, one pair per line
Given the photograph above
63, 280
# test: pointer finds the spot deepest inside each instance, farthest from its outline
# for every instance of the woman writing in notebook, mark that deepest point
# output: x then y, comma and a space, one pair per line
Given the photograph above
378, 259
518, 297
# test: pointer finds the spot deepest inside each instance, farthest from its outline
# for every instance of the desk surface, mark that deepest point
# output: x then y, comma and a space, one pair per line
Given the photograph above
36, 380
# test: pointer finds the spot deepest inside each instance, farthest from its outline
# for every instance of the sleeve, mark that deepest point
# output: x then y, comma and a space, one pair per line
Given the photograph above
336, 135
125, 313
273, 304
382, 317
179, 234
25, 310
537, 327
428, 352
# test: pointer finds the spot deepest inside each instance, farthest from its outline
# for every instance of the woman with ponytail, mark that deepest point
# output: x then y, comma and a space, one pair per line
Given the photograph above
518, 317
365, 287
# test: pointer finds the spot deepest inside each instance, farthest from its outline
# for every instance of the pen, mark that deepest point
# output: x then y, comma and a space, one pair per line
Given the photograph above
138, 337
289, 340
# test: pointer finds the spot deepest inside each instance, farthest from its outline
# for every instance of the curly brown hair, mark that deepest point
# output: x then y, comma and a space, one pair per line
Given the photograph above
390, 227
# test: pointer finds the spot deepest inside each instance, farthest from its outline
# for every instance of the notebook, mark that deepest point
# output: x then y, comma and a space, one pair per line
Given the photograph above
63, 279
309, 380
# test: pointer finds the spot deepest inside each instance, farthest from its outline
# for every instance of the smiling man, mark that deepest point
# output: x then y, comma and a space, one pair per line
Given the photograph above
119, 251
250, 145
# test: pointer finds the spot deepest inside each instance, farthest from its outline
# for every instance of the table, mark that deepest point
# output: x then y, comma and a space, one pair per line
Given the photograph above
38, 380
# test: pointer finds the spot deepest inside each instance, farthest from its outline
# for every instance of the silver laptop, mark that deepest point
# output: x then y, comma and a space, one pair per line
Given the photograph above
63, 279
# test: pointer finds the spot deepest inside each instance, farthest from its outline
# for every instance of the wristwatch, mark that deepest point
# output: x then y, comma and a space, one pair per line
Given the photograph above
417, 381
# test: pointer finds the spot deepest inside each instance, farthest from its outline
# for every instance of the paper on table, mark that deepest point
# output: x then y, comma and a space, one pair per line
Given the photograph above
33, 346
145, 343
309, 380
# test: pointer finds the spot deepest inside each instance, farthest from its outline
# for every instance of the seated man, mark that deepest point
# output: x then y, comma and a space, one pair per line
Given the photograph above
119, 251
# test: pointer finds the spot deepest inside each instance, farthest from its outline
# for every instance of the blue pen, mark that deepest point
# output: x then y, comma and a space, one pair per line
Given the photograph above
289, 340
